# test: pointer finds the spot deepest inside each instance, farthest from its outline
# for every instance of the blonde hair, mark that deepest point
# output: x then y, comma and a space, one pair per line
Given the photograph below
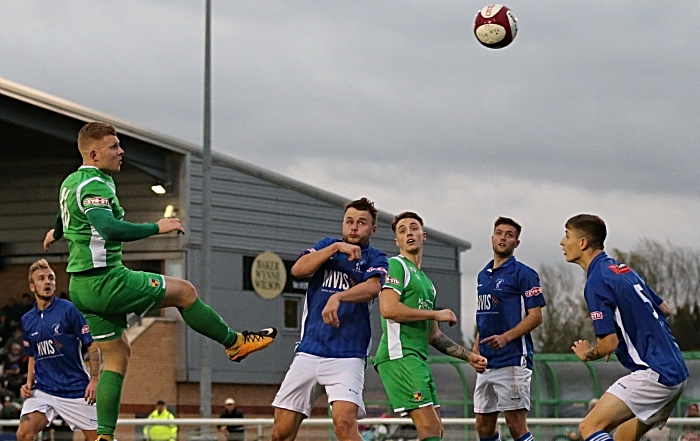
94, 131
39, 264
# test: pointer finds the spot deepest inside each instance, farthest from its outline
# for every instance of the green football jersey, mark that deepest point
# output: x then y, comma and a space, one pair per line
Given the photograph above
416, 291
87, 189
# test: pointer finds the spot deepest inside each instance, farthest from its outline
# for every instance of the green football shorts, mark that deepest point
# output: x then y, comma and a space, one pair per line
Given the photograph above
107, 297
408, 383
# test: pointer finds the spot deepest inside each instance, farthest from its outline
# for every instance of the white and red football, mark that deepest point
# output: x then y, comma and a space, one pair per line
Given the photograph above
495, 26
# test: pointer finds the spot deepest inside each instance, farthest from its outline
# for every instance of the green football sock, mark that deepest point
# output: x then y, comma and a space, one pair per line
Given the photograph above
201, 318
432, 438
109, 397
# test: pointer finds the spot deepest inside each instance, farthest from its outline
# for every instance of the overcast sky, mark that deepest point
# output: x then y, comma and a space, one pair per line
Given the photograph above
595, 107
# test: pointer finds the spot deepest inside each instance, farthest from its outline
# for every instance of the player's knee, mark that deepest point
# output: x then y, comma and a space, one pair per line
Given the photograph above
188, 294
278, 435
345, 428
25, 434
427, 429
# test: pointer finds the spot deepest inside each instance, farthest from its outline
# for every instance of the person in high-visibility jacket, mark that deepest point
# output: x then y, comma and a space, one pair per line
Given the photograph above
160, 432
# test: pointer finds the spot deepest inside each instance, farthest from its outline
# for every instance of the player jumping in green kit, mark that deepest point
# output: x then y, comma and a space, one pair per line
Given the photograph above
410, 323
91, 220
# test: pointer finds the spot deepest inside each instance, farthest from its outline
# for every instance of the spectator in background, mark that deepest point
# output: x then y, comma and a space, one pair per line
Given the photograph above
160, 432
11, 311
5, 392
15, 368
5, 328
691, 432
15, 338
27, 304
233, 432
10, 410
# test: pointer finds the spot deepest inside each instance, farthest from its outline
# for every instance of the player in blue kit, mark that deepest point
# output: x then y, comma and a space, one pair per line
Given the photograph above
57, 383
629, 319
509, 307
346, 275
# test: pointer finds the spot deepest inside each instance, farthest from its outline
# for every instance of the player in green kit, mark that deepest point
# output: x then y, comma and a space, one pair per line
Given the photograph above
410, 323
91, 220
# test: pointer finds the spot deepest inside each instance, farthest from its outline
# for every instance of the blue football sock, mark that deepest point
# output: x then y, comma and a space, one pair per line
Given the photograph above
599, 436
496, 437
526, 437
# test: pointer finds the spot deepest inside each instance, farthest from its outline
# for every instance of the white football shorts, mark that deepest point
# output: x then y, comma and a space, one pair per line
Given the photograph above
342, 378
75, 411
650, 401
502, 389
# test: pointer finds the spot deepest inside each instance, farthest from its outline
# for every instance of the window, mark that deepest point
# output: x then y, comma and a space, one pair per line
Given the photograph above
292, 312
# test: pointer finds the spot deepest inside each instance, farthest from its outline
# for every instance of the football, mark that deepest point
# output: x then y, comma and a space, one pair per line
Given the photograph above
495, 26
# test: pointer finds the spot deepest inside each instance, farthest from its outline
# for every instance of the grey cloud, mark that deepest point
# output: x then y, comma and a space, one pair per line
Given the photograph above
598, 94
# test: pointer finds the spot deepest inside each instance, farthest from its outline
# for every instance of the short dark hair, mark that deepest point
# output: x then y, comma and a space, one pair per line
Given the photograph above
508, 221
94, 131
160, 403
591, 227
363, 204
405, 215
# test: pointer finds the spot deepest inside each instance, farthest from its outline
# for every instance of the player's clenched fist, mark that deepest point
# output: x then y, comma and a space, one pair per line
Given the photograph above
169, 225
478, 362
354, 252
25, 391
446, 315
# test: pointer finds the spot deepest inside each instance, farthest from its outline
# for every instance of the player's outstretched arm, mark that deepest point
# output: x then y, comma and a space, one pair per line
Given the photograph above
532, 320
308, 264
391, 308
360, 293
113, 229
604, 346
26, 390
170, 224
447, 346
94, 360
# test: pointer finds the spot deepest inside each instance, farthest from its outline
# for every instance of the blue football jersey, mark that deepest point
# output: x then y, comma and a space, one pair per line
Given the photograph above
620, 302
54, 337
353, 337
504, 295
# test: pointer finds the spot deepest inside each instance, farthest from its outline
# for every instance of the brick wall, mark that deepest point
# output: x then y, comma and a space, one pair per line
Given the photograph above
15, 281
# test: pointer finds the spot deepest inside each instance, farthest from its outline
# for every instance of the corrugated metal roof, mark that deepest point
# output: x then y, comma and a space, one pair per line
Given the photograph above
82, 113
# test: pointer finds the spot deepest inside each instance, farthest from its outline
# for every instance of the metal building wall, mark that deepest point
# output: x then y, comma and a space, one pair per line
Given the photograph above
29, 203
252, 215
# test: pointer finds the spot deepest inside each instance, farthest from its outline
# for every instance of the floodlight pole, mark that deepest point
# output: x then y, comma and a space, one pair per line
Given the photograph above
205, 396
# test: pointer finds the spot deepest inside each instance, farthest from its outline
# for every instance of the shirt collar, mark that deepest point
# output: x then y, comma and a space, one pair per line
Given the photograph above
510, 261
601, 256
50, 307
89, 167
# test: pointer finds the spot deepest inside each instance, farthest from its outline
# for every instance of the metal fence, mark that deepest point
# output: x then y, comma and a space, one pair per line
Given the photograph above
562, 385
373, 429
